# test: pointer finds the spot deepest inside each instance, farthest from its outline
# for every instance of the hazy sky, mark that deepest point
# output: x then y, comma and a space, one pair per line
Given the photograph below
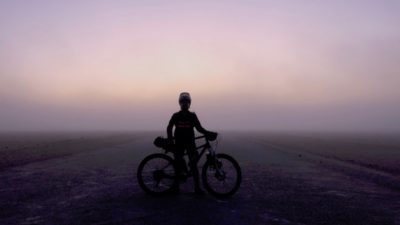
273, 65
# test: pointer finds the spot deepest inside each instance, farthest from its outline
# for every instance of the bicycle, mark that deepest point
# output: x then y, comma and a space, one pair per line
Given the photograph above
221, 174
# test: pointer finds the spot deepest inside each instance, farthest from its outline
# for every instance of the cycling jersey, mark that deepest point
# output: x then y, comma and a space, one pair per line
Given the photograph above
184, 122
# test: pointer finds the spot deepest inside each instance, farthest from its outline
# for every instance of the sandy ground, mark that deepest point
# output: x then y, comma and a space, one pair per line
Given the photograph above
287, 179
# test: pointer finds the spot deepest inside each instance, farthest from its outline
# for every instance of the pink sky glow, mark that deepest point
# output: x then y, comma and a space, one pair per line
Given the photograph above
262, 65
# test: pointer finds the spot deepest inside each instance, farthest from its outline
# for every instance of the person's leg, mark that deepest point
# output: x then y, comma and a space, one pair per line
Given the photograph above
193, 159
180, 161
180, 164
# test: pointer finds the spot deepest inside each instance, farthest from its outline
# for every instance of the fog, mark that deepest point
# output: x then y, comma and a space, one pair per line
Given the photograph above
254, 65
214, 114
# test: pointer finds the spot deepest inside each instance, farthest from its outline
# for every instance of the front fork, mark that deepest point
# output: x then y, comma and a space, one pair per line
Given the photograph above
215, 164
211, 157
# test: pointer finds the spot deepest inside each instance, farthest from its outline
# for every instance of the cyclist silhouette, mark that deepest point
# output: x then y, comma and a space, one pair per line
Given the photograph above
184, 122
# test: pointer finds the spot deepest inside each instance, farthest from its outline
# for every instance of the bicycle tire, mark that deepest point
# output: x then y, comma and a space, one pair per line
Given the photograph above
209, 175
165, 170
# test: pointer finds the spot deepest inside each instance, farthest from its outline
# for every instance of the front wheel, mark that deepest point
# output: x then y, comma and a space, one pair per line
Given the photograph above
156, 174
221, 175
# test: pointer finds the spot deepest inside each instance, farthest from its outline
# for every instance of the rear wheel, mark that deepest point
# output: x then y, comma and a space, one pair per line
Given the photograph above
156, 174
221, 176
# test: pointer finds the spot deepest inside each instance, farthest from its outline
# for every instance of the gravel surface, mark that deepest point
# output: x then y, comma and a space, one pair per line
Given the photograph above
286, 180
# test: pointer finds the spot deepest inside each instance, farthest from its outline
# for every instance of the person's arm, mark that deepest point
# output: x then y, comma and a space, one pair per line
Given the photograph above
169, 127
198, 126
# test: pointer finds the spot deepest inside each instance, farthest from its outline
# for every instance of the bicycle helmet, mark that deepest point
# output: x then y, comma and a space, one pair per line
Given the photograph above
185, 97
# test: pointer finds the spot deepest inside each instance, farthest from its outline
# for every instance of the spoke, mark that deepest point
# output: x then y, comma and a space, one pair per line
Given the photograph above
227, 171
158, 174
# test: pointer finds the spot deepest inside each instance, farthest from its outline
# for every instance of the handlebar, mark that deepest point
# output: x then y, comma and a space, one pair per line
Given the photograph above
209, 137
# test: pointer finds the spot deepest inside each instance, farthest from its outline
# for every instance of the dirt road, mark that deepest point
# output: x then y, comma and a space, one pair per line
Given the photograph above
281, 185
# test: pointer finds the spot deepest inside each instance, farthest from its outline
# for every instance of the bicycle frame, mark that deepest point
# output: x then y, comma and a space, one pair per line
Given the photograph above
206, 146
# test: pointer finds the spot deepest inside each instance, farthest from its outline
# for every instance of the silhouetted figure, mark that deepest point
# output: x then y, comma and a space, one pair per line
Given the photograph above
184, 122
